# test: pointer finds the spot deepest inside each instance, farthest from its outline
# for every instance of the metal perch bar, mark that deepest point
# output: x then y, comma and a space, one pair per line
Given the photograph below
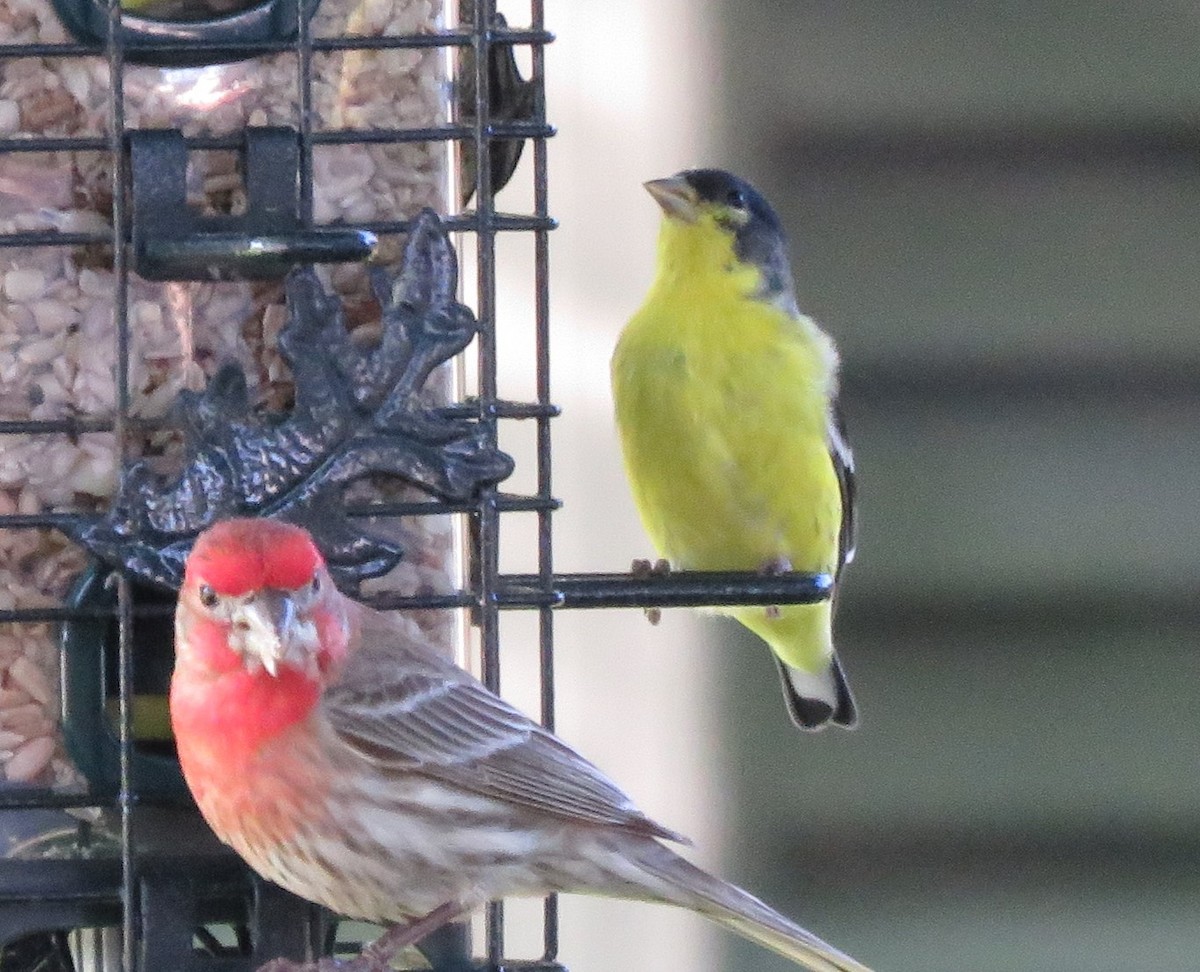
528, 591
678, 589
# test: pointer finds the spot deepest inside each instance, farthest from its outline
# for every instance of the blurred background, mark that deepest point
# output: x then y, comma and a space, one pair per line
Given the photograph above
994, 209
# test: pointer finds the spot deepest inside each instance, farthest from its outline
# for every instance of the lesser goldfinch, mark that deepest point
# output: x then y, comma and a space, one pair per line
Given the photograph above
726, 406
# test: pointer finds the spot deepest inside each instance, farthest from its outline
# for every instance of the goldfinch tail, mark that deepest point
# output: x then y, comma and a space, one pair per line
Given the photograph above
801, 639
815, 701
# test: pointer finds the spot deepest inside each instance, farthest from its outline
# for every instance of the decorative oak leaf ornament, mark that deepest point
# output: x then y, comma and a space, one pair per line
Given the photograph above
358, 412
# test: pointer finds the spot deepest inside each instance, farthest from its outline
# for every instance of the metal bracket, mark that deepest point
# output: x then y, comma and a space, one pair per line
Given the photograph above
173, 242
186, 42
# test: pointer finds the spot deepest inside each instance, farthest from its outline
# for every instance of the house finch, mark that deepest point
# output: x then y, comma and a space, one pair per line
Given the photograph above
347, 760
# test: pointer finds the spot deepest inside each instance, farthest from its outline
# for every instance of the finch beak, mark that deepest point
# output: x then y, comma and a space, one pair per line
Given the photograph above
272, 633
676, 197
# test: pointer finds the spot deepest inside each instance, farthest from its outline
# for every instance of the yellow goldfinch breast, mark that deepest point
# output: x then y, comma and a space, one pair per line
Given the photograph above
722, 412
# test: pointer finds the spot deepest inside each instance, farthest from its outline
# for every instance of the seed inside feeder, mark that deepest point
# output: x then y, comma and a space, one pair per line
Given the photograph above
57, 330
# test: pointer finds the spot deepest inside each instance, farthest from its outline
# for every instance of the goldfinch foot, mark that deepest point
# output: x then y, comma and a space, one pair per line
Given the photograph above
775, 568
644, 569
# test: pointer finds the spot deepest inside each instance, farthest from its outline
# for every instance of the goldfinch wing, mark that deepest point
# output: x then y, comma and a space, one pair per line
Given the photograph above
843, 465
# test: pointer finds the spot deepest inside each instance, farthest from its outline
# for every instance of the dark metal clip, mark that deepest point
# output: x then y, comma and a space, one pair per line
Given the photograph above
172, 242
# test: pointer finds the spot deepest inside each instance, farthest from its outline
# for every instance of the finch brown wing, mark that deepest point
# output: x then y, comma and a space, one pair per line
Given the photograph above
406, 709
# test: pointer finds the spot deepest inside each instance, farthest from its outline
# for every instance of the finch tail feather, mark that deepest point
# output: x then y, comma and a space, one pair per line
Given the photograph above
815, 700
814, 685
742, 913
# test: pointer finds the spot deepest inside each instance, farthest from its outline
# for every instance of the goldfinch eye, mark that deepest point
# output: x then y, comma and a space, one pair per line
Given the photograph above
316, 584
208, 597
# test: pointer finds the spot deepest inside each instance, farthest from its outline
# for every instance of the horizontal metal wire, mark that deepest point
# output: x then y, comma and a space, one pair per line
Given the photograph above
250, 48
500, 222
523, 37
52, 237
474, 408
54, 143
36, 521
329, 136
44, 615
532, 965
62, 426
434, 133
76, 425
505, 223
506, 502
35, 798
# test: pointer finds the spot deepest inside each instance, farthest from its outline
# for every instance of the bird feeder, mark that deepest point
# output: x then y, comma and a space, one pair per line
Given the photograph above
223, 228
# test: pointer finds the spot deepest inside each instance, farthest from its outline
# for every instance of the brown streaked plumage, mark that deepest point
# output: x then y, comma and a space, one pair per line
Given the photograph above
363, 771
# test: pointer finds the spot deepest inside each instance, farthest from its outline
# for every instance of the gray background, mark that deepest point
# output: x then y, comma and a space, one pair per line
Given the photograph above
995, 208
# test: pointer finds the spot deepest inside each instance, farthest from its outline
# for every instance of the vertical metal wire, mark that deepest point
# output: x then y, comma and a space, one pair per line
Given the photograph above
115, 51
488, 514
486, 278
304, 109
541, 269
541, 278
129, 923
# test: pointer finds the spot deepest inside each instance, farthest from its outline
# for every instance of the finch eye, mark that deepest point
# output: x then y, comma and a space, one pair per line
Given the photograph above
208, 597
736, 199
316, 584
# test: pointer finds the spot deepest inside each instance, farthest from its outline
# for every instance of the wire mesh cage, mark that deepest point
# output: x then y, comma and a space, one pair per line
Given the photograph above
163, 165
161, 168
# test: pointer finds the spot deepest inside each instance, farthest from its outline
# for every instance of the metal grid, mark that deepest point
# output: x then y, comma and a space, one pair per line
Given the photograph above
490, 591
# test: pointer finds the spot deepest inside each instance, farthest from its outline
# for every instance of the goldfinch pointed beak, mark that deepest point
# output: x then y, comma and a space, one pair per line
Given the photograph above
676, 197
272, 633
